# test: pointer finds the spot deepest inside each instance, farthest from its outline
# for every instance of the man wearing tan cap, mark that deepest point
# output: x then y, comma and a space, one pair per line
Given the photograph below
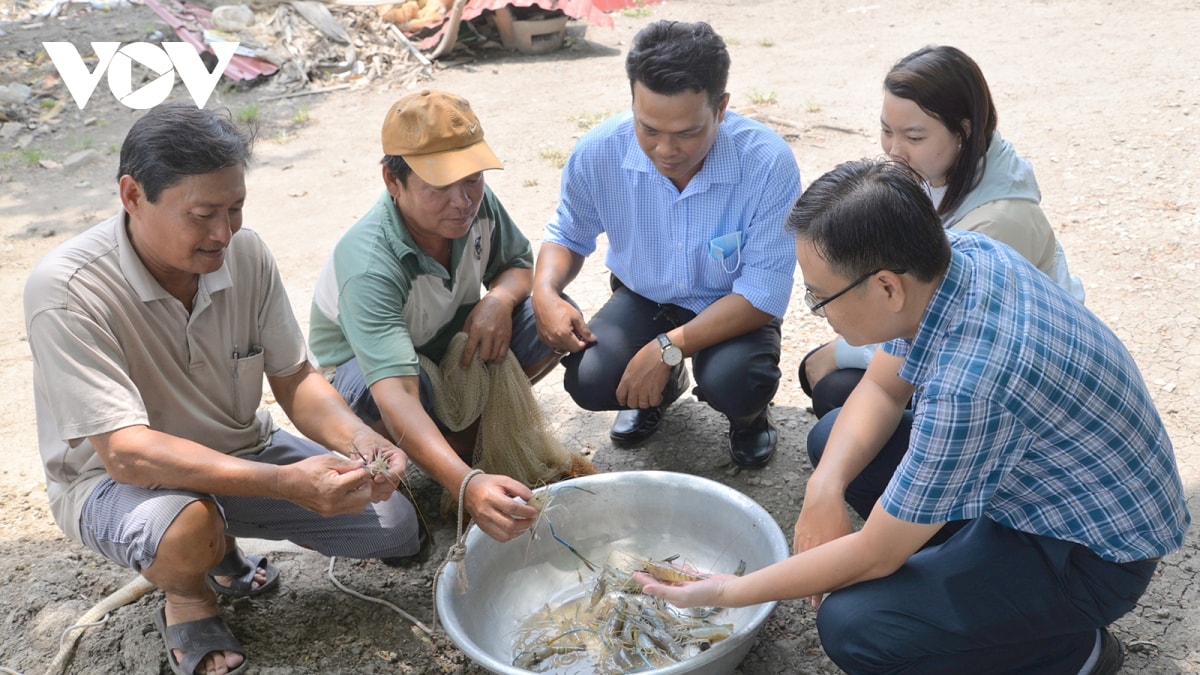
436, 255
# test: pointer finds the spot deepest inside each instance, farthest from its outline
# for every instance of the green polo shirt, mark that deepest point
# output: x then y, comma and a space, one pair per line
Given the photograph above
383, 300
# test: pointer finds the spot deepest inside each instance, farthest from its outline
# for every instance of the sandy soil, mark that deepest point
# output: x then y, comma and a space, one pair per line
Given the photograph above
1099, 95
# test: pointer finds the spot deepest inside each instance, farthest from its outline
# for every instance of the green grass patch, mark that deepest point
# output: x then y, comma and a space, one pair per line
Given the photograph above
249, 114
762, 97
586, 121
32, 156
555, 156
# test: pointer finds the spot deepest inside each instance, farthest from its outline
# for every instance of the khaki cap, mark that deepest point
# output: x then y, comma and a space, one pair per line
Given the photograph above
439, 136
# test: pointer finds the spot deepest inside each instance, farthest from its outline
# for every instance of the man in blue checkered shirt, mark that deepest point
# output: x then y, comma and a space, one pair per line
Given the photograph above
1024, 502
692, 200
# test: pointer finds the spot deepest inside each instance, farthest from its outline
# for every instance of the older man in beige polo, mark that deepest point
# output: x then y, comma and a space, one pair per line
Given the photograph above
151, 334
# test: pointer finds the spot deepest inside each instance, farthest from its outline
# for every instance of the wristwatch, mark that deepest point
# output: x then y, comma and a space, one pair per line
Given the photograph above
672, 355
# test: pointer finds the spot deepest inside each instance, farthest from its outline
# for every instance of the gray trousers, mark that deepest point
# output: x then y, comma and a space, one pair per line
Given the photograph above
125, 523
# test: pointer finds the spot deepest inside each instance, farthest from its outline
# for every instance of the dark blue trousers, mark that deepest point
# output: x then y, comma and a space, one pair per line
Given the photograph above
738, 377
986, 599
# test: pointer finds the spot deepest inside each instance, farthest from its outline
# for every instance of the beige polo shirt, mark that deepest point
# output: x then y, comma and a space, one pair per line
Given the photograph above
112, 349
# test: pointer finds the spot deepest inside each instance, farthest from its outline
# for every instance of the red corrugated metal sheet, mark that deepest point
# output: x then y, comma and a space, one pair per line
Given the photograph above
612, 5
576, 9
189, 21
592, 11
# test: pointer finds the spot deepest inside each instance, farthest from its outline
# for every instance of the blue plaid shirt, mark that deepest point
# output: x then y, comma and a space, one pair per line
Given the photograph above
659, 238
1029, 411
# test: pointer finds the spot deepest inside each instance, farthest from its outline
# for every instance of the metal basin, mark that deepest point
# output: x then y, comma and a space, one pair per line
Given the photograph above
651, 513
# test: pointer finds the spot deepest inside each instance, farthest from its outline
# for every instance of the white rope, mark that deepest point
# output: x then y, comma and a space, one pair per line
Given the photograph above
457, 553
411, 619
63, 638
96, 616
458, 550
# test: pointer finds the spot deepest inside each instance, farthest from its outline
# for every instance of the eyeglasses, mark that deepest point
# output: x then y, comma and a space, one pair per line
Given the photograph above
818, 307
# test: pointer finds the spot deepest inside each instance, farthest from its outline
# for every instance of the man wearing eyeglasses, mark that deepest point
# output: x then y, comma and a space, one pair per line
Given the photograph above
816, 304
1024, 502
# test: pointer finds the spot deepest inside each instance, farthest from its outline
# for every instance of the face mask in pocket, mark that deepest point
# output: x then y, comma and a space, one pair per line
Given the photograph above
725, 247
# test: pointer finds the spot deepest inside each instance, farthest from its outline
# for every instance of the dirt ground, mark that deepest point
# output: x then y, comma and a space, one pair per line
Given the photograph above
1099, 95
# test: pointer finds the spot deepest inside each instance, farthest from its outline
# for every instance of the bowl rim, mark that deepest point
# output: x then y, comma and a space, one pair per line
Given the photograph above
778, 544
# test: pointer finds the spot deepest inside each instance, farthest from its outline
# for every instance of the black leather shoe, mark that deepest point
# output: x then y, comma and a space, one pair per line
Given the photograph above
1112, 654
752, 441
634, 426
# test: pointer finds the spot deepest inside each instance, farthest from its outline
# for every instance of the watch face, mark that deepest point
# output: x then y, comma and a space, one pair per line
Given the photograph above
672, 356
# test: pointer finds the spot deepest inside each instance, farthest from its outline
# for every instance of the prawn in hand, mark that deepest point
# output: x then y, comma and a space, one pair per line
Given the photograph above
707, 592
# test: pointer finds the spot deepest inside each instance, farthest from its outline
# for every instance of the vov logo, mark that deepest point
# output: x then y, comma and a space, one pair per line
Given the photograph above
117, 61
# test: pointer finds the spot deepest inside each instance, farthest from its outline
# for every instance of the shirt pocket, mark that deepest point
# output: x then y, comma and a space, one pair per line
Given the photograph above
725, 253
248, 383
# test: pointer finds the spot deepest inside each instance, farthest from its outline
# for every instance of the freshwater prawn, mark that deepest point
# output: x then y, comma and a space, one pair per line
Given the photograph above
378, 466
543, 501
666, 570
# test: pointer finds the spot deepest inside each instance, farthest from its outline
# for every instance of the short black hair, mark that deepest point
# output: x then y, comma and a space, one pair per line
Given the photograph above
670, 57
175, 140
398, 166
870, 215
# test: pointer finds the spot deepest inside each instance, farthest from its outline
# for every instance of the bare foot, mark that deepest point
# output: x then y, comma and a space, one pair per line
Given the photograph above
260, 578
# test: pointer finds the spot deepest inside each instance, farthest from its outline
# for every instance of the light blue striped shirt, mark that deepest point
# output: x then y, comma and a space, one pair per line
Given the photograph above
1029, 411
658, 237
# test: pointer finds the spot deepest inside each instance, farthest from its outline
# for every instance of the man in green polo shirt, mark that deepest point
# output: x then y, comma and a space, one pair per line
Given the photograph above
436, 255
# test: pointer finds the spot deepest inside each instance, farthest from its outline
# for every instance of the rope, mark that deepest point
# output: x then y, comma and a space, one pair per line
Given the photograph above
458, 550
95, 616
411, 619
513, 438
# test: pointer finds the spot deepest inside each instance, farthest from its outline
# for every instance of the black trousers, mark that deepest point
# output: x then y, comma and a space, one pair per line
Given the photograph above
738, 377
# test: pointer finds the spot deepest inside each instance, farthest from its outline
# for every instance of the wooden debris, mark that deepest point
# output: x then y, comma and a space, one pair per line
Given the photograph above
308, 92
319, 16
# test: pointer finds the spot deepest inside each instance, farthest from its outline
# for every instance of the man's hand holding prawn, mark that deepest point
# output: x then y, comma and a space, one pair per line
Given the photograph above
489, 500
386, 463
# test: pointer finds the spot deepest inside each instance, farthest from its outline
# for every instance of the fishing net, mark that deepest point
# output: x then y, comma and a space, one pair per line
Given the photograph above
513, 439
